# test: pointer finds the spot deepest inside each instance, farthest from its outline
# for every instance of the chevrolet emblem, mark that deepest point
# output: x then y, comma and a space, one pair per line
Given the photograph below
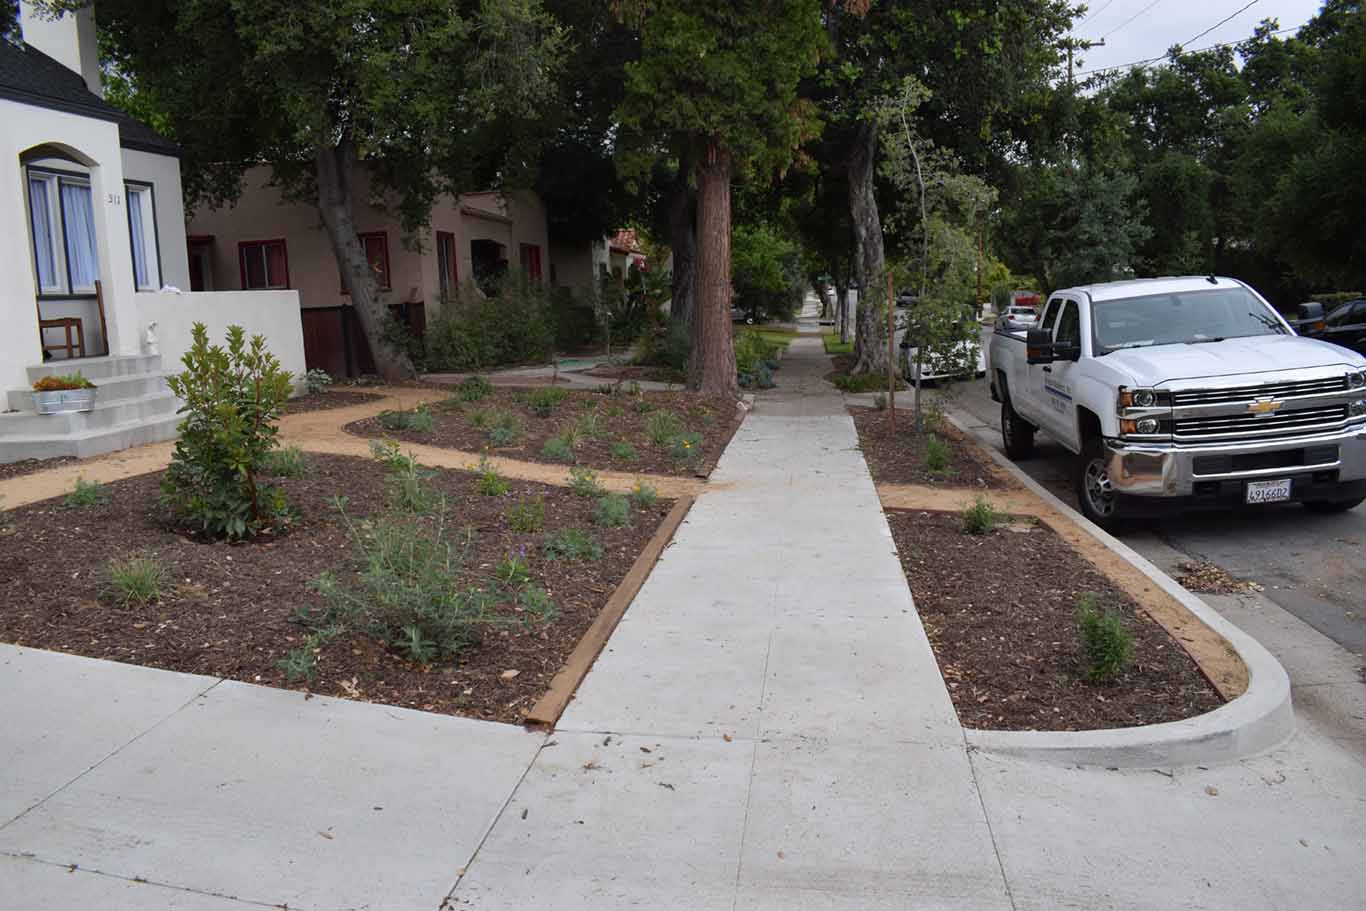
1264, 407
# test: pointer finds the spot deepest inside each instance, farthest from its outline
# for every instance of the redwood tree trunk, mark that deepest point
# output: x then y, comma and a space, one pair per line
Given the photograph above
711, 368
683, 243
335, 165
870, 349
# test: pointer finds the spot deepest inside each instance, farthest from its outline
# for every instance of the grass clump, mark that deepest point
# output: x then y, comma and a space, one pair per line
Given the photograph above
1106, 643
936, 454
644, 496
409, 483
480, 419
473, 388
685, 447
642, 406
535, 604
289, 462
557, 449
86, 494
662, 427
504, 429
624, 451
612, 511
527, 514
136, 580
489, 482
584, 482
417, 420
545, 400
981, 517
572, 545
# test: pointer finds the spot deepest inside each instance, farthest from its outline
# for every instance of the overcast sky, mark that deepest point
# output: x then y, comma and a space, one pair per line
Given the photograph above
1171, 22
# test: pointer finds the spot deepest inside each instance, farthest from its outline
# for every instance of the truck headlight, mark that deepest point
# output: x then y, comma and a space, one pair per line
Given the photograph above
1358, 408
1357, 380
1143, 398
1147, 425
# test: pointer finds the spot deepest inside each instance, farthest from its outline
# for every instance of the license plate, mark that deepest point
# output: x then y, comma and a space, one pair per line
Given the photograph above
1268, 491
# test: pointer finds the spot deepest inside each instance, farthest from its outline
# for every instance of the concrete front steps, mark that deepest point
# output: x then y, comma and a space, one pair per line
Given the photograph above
133, 407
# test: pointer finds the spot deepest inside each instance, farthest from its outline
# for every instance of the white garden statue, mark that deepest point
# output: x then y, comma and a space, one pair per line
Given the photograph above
150, 346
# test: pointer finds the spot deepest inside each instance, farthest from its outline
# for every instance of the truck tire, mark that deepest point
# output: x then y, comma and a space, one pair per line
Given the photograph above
1095, 494
1332, 506
1017, 433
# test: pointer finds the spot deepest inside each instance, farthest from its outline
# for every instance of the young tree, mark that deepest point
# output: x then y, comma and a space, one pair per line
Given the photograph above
420, 93
720, 79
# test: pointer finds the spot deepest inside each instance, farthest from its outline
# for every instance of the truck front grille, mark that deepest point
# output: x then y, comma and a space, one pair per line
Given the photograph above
1235, 394
1252, 426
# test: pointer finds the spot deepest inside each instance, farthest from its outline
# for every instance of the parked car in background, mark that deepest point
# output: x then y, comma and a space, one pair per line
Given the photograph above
1017, 318
1344, 325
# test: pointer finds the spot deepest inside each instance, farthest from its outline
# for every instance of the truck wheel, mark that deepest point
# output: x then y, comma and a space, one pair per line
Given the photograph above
1015, 430
1095, 493
1332, 506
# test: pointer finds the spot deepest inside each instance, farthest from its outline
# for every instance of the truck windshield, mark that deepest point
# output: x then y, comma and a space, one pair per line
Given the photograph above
1188, 318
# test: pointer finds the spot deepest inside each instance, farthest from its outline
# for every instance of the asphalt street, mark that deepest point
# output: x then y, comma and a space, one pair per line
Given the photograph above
1313, 566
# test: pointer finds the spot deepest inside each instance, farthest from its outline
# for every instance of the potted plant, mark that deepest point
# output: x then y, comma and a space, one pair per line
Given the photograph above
61, 394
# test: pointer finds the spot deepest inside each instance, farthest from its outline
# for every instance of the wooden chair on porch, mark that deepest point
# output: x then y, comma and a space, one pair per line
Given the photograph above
74, 347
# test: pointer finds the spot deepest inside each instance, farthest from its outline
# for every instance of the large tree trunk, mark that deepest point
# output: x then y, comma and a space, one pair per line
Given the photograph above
870, 349
827, 311
711, 368
842, 307
683, 243
335, 165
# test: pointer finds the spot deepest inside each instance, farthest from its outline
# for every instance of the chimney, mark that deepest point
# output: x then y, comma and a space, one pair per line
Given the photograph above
68, 39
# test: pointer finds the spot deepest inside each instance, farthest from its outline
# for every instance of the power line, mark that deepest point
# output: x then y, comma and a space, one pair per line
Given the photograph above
1130, 19
1094, 13
1219, 23
1194, 50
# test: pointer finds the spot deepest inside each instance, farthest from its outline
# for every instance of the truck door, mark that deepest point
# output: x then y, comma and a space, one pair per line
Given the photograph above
1058, 378
1036, 400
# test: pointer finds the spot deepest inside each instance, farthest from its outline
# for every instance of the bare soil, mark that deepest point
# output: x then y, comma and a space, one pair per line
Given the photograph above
326, 401
1007, 640
31, 466
899, 457
619, 418
641, 373
230, 610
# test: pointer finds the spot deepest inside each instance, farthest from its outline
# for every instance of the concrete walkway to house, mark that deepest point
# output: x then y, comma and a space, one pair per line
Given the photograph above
766, 729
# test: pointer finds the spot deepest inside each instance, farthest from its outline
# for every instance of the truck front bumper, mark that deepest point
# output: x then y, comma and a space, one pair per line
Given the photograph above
1323, 466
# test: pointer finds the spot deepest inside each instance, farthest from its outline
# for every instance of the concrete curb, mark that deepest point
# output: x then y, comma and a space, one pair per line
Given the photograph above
1256, 721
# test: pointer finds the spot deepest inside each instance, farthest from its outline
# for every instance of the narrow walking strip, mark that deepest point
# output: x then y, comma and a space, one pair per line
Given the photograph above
767, 727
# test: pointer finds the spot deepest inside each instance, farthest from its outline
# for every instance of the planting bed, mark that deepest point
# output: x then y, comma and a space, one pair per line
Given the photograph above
230, 611
1007, 639
620, 418
30, 466
638, 372
899, 458
326, 401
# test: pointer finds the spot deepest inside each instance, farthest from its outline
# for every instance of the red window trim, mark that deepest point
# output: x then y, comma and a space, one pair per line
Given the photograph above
388, 274
527, 262
454, 261
242, 262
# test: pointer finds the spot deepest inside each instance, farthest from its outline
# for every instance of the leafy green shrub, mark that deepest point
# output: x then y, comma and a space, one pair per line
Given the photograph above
1106, 643
418, 420
233, 399
535, 603
513, 570
584, 482
662, 427
936, 454
980, 518
545, 400
587, 425
504, 429
644, 496
557, 449
286, 462
612, 511
642, 406
490, 483
480, 419
387, 453
665, 344
85, 494
573, 545
475, 332
316, 381
136, 580
473, 388
527, 514
685, 447
409, 483
863, 382
624, 451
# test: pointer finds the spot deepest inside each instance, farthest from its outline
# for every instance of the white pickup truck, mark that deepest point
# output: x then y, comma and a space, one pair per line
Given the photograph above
1181, 393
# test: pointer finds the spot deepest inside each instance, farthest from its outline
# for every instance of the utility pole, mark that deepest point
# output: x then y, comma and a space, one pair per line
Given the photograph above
1077, 44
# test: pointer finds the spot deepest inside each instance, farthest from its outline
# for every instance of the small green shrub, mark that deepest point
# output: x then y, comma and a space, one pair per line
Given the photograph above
316, 381
662, 427
490, 483
642, 406
473, 388
535, 603
584, 482
136, 580
1106, 643
980, 518
545, 400
480, 419
85, 494
409, 483
612, 511
513, 570
685, 448
287, 462
387, 453
624, 451
644, 496
587, 425
557, 450
863, 382
417, 420
505, 429
572, 545
571, 434
614, 411
527, 514
936, 454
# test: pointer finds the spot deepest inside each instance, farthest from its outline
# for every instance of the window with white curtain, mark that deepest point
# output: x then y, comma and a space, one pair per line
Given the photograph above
62, 225
142, 232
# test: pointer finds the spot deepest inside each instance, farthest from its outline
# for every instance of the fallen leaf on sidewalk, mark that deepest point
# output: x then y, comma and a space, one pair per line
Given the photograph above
1212, 791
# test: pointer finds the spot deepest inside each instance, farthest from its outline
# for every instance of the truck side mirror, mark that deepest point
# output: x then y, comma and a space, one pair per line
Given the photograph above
1039, 346
1311, 317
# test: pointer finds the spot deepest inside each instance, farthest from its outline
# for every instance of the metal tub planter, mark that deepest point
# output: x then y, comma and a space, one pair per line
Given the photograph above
63, 394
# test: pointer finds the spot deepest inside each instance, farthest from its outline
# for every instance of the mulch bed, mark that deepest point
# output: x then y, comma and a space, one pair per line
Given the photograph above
1211, 579
326, 401
619, 418
640, 373
230, 610
1001, 612
31, 466
899, 458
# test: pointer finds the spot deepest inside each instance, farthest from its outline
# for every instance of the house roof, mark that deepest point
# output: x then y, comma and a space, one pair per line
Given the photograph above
29, 76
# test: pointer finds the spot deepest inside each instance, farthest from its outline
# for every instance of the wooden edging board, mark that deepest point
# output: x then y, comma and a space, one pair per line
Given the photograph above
547, 710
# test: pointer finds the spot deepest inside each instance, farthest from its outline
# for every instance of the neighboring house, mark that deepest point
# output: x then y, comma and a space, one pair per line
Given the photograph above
93, 229
581, 266
264, 240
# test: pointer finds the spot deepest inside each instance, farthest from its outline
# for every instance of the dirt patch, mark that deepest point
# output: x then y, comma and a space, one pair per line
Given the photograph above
1007, 640
612, 432
899, 457
32, 466
653, 374
326, 401
230, 611
1211, 579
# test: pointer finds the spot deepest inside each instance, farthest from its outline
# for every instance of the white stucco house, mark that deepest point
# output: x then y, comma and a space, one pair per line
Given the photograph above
92, 250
